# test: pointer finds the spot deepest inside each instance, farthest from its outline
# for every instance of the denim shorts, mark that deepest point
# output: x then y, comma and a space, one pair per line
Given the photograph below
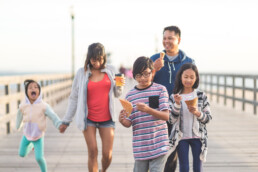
105, 124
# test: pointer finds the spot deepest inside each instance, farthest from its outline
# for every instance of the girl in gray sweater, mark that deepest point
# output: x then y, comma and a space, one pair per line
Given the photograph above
189, 121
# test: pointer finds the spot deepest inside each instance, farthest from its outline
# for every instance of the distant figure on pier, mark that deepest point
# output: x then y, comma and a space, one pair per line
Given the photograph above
190, 112
148, 118
122, 69
33, 112
166, 68
92, 100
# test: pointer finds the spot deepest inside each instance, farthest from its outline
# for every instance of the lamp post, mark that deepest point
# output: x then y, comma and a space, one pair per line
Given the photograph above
72, 20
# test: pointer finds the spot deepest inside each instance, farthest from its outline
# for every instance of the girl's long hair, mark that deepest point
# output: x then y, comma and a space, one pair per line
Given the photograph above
95, 51
178, 82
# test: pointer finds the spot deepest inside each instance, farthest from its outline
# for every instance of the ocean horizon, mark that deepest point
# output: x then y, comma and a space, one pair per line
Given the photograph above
13, 73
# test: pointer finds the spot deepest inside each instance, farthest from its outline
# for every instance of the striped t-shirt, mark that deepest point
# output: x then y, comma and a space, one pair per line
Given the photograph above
150, 135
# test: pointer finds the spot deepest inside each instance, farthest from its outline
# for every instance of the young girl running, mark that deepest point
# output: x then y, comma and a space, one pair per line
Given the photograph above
189, 121
33, 112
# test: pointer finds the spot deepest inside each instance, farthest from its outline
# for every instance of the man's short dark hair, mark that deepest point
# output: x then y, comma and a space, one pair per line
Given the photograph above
173, 28
141, 64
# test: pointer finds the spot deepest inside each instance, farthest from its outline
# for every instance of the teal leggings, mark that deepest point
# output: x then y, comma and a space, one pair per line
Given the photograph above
26, 146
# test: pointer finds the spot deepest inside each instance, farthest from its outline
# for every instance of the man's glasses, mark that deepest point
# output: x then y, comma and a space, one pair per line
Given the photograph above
145, 75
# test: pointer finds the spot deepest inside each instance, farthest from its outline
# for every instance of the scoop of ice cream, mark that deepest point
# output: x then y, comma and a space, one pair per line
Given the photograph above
162, 54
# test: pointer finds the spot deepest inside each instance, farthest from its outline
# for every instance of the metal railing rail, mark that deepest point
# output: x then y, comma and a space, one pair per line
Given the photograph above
227, 86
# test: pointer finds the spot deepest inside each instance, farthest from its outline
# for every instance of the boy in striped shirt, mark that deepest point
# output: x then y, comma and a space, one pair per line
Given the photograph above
148, 118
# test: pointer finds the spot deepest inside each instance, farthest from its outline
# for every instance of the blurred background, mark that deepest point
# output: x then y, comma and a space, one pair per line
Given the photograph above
42, 36
51, 38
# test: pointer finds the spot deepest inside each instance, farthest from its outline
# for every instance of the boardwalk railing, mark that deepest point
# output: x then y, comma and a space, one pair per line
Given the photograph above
54, 88
237, 88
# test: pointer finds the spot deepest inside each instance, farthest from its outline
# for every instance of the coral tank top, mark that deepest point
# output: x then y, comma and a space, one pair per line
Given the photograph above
98, 100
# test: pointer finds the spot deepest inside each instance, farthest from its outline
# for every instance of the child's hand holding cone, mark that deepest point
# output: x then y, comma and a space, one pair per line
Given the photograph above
192, 106
127, 106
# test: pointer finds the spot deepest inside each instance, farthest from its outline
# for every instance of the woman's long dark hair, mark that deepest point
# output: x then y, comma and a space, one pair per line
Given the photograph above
95, 51
178, 82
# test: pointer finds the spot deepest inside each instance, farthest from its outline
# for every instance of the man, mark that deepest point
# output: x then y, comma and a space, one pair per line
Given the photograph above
166, 70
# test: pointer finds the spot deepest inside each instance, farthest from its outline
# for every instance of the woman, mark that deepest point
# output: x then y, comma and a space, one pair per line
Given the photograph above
91, 98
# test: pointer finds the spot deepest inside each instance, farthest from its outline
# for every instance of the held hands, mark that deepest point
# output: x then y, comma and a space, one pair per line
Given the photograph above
62, 128
177, 98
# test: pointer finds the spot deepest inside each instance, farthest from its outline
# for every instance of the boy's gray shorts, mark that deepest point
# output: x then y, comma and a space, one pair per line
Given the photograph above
154, 165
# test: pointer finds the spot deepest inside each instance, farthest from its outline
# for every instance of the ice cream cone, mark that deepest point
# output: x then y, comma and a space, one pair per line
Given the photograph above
192, 102
127, 106
162, 54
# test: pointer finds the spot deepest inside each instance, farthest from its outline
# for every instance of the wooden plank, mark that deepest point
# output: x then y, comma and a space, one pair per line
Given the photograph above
233, 145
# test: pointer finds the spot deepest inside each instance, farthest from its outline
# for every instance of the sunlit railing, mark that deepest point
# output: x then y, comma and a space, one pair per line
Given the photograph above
54, 88
237, 88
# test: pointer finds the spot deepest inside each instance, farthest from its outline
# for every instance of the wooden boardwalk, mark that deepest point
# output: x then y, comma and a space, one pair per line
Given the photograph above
233, 146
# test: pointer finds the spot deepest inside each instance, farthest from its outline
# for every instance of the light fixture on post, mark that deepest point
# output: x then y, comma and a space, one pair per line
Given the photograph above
72, 20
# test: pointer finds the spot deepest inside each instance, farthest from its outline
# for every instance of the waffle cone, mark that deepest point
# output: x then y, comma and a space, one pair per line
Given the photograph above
127, 106
192, 102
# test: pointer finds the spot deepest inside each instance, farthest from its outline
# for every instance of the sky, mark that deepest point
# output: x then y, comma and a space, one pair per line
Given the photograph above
35, 36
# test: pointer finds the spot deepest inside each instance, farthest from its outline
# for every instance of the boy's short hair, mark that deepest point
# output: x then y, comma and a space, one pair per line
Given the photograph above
173, 28
27, 82
141, 64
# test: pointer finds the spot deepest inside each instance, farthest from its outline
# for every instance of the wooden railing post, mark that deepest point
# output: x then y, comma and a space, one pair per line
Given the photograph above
255, 91
6, 89
41, 83
225, 90
205, 86
7, 109
18, 88
8, 128
243, 93
217, 88
18, 91
234, 93
211, 93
